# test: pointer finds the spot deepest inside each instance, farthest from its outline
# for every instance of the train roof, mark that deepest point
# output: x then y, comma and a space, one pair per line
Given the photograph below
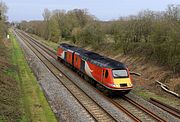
95, 58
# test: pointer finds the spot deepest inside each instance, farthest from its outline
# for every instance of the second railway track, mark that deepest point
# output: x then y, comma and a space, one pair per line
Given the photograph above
175, 112
137, 110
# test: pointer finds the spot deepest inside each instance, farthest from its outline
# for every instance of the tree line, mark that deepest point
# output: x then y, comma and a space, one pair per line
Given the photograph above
75, 25
153, 34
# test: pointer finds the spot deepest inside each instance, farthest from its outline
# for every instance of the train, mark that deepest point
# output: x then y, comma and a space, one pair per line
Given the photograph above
108, 75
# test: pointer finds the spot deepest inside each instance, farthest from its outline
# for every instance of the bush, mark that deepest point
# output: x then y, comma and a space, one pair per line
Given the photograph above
91, 34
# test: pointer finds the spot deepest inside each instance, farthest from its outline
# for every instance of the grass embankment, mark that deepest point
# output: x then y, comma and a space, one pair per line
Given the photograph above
30, 102
146, 94
10, 105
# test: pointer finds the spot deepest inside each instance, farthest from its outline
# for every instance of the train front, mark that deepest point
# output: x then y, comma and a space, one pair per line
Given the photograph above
121, 80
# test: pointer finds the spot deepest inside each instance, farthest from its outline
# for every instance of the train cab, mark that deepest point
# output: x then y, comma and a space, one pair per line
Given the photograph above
117, 79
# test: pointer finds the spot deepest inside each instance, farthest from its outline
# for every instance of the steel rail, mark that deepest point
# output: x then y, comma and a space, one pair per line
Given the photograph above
175, 112
144, 109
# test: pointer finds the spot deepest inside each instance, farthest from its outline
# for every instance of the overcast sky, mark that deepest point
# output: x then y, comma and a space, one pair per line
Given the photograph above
102, 9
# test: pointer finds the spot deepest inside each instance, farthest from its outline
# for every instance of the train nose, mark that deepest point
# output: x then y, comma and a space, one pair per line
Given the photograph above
123, 82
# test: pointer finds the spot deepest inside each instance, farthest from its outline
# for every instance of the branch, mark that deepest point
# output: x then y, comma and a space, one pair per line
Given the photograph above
164, 87
135, 73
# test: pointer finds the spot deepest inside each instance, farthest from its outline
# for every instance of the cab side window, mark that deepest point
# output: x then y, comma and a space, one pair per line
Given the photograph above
106, 73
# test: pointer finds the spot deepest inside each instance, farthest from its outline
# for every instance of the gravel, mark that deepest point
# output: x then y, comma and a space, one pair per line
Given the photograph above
63, 104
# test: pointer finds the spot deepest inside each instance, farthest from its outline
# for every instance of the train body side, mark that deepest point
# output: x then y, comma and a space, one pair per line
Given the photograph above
102, 75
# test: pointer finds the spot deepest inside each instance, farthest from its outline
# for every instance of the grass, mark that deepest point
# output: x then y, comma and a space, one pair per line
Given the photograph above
51, 44
146, 94
35, 106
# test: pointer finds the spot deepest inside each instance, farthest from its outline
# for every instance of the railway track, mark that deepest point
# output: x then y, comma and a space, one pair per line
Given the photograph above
173, 111
135, 111
96, 111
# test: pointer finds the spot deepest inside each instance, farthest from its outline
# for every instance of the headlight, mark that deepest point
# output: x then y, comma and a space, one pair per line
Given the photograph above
130, 84
115, 85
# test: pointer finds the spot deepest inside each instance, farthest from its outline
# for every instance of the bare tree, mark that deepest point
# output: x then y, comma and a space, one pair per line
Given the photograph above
3, 26
47, 15
3, 10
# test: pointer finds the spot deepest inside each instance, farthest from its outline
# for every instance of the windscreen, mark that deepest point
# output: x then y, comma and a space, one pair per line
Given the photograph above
120, 73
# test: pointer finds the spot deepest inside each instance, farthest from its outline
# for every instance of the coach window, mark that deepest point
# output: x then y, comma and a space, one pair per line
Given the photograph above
76, 59
106, 74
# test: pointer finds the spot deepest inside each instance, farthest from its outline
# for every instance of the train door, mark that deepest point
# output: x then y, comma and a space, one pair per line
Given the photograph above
105, 76
82, 66
73, 58
65, 53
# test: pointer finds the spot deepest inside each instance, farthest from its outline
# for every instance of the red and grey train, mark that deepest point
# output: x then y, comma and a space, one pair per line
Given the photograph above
108, 74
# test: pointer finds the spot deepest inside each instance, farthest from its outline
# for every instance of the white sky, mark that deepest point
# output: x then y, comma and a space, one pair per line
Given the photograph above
102, 9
